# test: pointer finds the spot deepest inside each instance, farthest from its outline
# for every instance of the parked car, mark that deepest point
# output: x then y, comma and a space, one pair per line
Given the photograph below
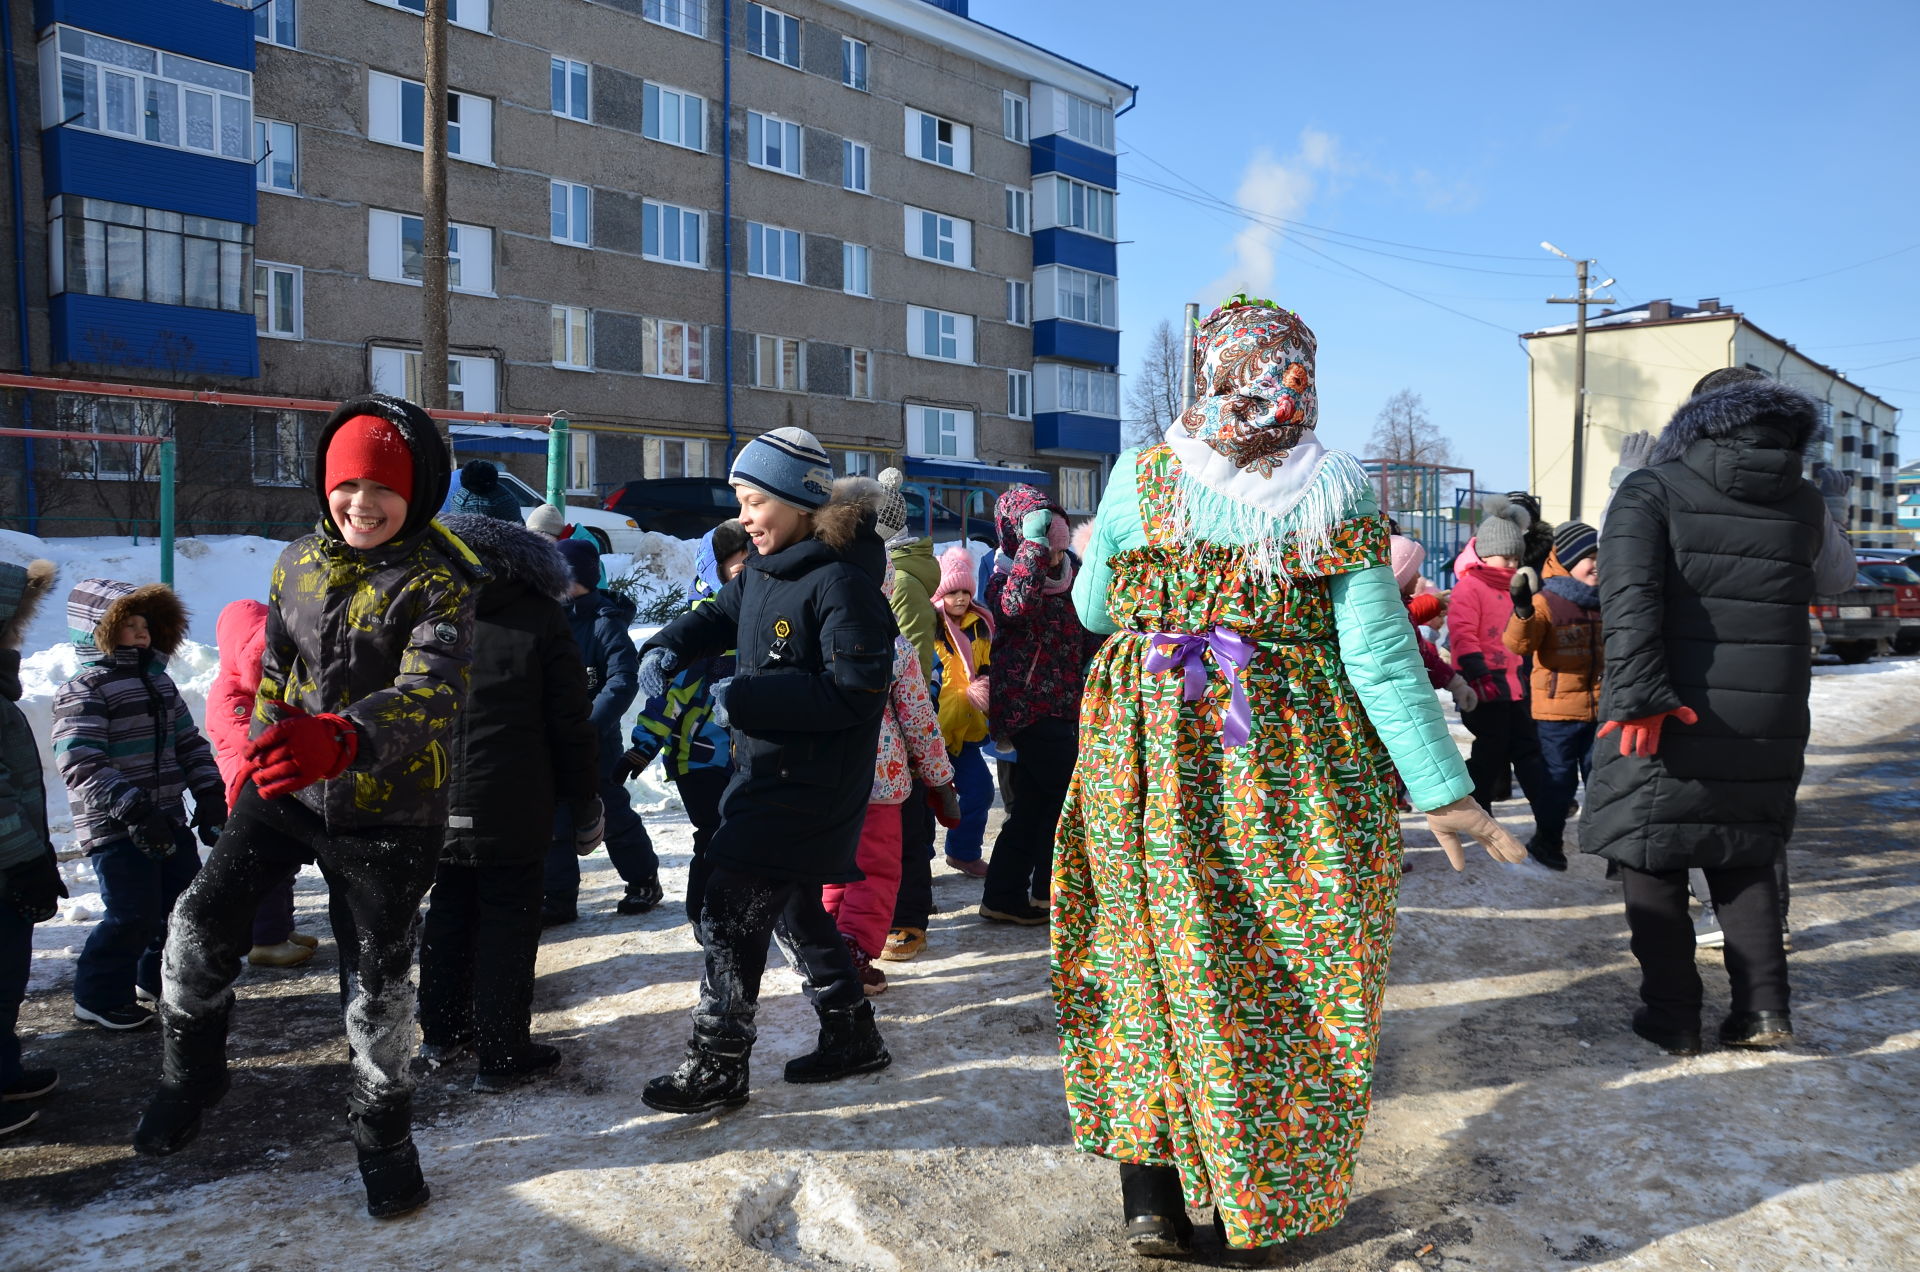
1852, 624
612, 532
688, 507
1906, 589
1905, 557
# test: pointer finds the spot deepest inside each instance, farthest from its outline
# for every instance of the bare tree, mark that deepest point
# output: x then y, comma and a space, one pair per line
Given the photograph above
1403, 435
1153, 399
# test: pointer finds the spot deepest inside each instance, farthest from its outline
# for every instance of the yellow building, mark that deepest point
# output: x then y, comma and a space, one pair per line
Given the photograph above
1643, 362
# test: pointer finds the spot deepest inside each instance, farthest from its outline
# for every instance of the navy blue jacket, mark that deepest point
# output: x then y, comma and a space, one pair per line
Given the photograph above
599, 621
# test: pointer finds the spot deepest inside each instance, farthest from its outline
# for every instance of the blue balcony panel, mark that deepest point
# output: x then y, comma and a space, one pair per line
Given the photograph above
1059, 153
1070, 431
206, 29
170, 339
1081, 251
1076, 342
97, 167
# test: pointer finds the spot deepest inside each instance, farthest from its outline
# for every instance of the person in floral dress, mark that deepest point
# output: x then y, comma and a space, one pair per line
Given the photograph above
1228, 859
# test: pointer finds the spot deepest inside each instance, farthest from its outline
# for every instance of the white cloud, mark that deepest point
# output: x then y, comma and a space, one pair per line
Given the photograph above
1274, 188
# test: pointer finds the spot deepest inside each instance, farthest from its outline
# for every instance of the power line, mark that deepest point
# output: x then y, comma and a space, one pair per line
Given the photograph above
1741, 291
1862, 344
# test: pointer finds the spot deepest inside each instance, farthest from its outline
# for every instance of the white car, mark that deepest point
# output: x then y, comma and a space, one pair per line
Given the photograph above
615, 532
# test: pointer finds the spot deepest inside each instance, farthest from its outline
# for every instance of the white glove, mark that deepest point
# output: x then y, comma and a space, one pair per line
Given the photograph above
1464, 698
1464, 817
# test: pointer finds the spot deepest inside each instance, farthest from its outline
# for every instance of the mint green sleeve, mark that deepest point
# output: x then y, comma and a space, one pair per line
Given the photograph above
1383, 662
1116, 528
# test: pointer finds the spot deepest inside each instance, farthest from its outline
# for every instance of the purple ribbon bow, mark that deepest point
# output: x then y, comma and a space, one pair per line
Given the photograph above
1188, 652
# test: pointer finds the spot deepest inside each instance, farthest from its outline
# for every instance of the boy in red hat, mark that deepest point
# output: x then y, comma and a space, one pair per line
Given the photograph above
369, 626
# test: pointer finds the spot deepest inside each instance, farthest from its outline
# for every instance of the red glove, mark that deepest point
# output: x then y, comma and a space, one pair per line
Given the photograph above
945, 805
1486, 688
299, 750
1642, 736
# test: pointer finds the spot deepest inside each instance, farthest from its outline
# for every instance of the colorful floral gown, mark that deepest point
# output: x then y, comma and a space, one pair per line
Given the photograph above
1222, 917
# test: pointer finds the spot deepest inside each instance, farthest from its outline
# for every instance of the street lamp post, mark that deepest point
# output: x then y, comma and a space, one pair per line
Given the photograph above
1582, 297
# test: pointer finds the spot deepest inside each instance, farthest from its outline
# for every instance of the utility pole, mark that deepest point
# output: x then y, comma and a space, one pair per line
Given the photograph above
1583, 296
433, 194
1188, 322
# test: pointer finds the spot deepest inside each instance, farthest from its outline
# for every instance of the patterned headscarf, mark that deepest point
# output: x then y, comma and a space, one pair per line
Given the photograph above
1254, 395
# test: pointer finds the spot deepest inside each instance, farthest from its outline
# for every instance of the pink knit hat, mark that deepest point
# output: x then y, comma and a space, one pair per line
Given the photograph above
1408, 556
956, 572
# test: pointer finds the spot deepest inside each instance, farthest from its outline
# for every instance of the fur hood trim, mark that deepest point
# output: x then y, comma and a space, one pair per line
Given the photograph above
1724, 411
841, 520
33, 588
513, 552
97, 607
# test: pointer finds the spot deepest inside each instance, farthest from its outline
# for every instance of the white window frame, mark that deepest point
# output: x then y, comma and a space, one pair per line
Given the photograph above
266, 154
129, 252
571, 204
295, 286
572, 337
1060, 290
271, 16
791, 246
686, 16
1089, 122
1020, 209
666, 342
654, 452
856, 266
1061, 387
930, 331
793, 143
859, 463
659, 212
921, 134
576, 81
122, 417
288, 453
856, 156
1019, 302
469, 118
1089, 209
786, 50
133, 90
469, 252
473, 383
937, 237
1019, 395
860, 376
653, 111
1077, 490
470, 15
770, 354
1016, 118
929, 427
582, 462
855, 64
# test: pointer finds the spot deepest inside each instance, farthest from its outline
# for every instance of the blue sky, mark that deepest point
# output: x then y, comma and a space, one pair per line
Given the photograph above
1696, 149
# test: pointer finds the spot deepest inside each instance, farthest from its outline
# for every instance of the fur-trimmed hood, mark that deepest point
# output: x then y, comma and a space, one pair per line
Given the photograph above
1764, 413
97, 607
22, 588
846, 524
512, 553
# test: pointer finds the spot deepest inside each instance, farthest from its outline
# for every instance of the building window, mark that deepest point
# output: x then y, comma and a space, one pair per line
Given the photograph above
854, 168
773, 143
273, 22
396, 241
136, 253
90, 82
938, 140
933, 236
1020, 395
396, 116
1019, 303
938, 433
773, 252
860, 378
570, 341
1019, 210
110, 461
1013, 117
773, 35
673, 235
677, 118
276, 156
934, 333
471, 14
859, 463
856, 269
1079, 206
283, 446
777, 363
1078, 390
570, 96
673, 457
1076, 490
1090, 122
470, 381
671, 350
276, 300
581, 468
570, 213
853, 63
681, 15
1076, 295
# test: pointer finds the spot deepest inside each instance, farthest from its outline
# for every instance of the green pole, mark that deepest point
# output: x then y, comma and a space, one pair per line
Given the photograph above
557, 442
166, 511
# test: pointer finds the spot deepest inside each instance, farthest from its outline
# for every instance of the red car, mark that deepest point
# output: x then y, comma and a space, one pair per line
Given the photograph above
1906, 588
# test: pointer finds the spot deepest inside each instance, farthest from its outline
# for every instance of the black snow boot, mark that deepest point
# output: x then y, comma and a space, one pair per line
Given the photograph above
1157, 1223
713, 1076
850, 1043
193, 1077
389, 1163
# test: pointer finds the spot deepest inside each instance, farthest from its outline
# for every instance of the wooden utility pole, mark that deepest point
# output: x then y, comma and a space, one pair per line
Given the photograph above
1583, 296
433, 195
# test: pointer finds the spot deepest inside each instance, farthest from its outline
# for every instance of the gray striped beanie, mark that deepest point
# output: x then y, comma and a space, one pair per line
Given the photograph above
789, 465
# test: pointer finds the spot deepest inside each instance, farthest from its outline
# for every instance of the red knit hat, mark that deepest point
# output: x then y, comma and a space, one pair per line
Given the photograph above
369, 447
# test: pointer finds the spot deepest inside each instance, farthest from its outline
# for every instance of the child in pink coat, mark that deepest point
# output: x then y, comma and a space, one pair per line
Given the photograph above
1504, 740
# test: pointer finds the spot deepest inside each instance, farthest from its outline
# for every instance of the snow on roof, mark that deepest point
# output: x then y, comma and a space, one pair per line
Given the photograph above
1638, 313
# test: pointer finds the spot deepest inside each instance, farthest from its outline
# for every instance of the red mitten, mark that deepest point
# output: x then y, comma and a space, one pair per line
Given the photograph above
1426, 608
1642, 736
300, 750
945, 805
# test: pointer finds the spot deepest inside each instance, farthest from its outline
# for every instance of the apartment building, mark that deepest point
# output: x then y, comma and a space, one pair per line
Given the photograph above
680, 222
1643, 362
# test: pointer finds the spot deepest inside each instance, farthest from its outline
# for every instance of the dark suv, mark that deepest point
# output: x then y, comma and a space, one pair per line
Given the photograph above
1899, 576
1853, 624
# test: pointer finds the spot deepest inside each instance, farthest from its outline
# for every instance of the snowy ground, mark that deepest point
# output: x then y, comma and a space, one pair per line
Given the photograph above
1517, 1126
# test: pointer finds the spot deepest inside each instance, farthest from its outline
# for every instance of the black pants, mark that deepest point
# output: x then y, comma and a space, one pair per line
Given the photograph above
377, 875
700, 791
742, 911
913, 907
1505, 743
1022, 864
629, 848
477, 950
1747, 902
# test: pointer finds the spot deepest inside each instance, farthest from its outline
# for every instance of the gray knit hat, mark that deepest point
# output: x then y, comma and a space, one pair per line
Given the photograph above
1503, 528
788, 464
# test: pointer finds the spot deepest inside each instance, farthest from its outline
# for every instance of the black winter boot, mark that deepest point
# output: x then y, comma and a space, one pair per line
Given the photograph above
713, 1076
389, 1163
850, 1043
1157, 1223
193, 1077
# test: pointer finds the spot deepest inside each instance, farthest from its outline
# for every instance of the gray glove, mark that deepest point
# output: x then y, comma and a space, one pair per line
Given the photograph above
655, 666
589, 825
1634, 450
1833, 485
719, 692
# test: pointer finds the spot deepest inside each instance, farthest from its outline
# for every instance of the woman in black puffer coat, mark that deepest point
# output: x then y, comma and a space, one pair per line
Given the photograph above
523, 744
1711, 555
